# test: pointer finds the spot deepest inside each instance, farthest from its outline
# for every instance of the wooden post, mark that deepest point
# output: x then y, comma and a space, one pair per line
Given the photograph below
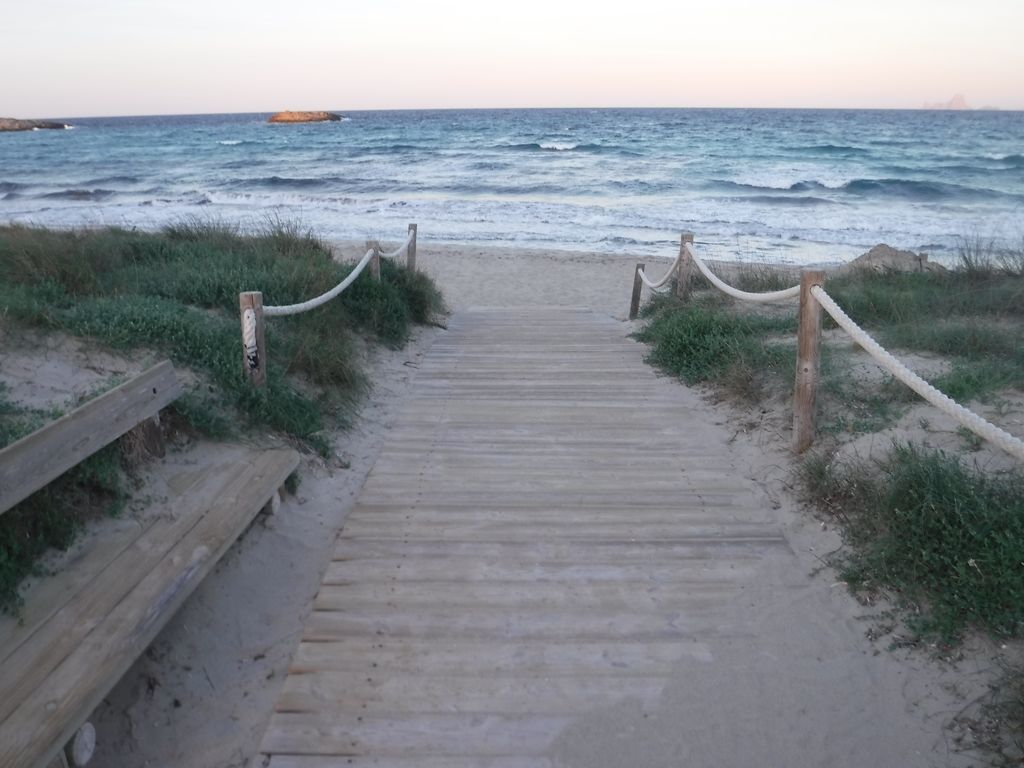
634, 302
254, 342
685, 275
375, 261
410, 254
808, 361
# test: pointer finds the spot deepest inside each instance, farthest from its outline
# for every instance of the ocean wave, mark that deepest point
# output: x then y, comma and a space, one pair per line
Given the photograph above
639, 185
800, 186
79, 194
559, 146
619, 240
487, 165
233, 142
11, 186
1014, 161
840, 150
112, 180
906, 189
274, 182
909, 189
11, 196
801, 200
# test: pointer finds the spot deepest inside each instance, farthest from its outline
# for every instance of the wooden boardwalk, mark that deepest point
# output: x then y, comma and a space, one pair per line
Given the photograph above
544, 537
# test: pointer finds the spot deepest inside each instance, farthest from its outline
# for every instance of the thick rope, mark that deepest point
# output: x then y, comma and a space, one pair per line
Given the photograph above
736, 293
295, 309
400, 248
655, 285
1012, 445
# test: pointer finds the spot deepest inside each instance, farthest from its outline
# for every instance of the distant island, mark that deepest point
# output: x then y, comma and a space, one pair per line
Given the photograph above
11, 124
957, 102
303, 117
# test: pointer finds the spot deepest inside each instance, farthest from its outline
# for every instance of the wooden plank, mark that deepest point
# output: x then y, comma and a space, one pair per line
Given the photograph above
51, 712
341, 693
523, 623
413, 736
45, 595
447, 761
614, 596
668, 571
427, 658
39, 458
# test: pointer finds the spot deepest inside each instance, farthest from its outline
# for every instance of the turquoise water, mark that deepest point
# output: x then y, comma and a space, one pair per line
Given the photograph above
790, 185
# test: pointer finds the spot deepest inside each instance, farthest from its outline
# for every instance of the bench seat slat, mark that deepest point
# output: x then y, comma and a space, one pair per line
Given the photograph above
41, 457
47, 715
40, 650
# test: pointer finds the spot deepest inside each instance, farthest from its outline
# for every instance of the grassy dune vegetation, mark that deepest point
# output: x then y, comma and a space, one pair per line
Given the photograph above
941, 537
175, 291
945, 538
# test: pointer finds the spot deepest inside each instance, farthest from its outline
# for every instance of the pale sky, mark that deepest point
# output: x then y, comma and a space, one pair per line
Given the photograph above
75, 58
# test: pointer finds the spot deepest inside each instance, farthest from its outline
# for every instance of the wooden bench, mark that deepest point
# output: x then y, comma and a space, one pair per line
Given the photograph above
83, 627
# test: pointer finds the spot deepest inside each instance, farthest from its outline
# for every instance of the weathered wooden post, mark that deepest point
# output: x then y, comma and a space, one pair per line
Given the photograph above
634, 302
808, 361
410, 252
685, 274
254, 344
375, 261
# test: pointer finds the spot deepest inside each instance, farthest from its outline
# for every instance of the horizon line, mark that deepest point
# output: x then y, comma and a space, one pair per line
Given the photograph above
507, 109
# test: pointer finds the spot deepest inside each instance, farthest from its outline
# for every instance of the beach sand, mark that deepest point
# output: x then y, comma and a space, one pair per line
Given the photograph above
203, 693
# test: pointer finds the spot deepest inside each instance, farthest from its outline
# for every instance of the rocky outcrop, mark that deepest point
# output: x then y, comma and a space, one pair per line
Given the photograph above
10, 124
883, 258
956, 103
303, 117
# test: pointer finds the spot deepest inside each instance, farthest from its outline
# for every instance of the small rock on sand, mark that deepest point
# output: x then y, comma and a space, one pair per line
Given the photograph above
884, 258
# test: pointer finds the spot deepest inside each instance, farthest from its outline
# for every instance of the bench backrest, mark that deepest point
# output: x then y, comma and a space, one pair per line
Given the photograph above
39, 458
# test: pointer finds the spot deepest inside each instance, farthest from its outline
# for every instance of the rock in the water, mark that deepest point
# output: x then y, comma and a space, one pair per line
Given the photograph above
883, 258
303, 117
10, 124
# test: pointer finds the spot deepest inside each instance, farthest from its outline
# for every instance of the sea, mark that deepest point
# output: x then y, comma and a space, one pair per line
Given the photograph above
788, 186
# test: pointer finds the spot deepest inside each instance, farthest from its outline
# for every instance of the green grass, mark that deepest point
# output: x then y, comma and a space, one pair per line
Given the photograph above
51, 517
972, 315
946, 539
703, 341
16, 422
177, 291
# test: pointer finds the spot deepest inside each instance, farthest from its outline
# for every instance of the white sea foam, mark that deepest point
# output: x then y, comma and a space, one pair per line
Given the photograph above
230, 142
559, 146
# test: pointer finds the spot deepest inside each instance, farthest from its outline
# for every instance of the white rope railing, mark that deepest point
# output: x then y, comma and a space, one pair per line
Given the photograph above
305, 306
814, 299
253, 311
655, 285
972, 421
736, 293
403, 247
